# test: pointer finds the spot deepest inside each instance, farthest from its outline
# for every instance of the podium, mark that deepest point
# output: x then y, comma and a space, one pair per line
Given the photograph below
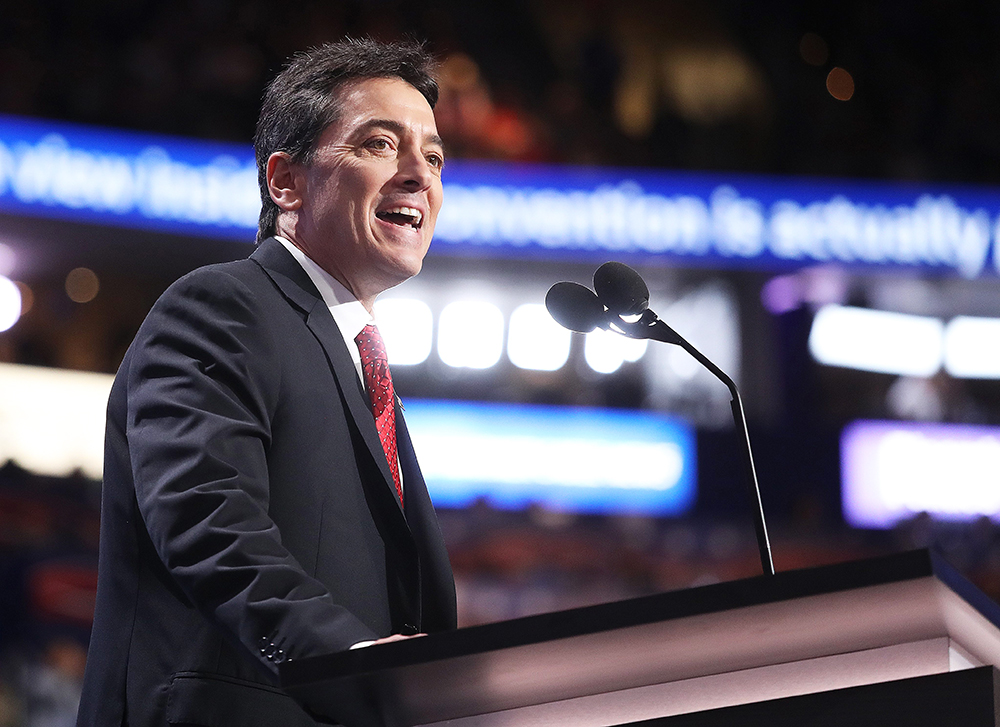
903, 639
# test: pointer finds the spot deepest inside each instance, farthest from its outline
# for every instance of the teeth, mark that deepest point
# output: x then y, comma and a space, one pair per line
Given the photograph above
415, 214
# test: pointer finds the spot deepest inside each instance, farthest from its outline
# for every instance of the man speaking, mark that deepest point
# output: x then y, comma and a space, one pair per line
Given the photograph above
262, 500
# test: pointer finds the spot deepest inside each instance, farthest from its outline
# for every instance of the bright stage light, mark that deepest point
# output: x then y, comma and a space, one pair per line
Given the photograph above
470, 334
406, 325
972, 348
535, 341
894, 470
606, 351
10, 303
879, 341
52, 421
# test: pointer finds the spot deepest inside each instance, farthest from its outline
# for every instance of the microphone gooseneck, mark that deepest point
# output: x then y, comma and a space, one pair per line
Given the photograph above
621, 292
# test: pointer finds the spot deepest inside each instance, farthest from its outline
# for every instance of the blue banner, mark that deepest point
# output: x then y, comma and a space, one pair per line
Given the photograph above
565, 458
529, 211
126, 179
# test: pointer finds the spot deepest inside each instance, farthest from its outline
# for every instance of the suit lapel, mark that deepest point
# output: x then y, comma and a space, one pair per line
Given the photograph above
295, 284
438, 609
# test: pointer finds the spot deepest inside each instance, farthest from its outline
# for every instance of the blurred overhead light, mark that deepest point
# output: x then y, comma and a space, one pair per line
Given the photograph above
972, 348
606, 351
406, 325
879, 341
535, 341
470, 334
10, 303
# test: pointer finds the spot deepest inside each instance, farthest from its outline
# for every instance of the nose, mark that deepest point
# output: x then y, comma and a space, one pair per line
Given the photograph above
414, 172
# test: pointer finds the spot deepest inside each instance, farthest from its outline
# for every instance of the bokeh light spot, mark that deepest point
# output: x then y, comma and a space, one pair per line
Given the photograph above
82, 285
813, 49
8, 259
27, 297
470, 334
10, 303
840, 84
406, 325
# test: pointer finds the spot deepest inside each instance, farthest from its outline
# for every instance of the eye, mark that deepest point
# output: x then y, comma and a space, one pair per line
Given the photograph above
379, 143
435, 160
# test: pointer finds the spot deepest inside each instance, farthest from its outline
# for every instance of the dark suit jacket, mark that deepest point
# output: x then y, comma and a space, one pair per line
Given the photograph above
248, 512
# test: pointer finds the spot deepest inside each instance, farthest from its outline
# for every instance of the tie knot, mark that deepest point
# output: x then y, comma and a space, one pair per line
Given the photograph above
370, 345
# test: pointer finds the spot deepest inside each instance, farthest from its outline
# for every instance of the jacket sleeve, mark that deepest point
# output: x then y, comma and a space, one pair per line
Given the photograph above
202, 389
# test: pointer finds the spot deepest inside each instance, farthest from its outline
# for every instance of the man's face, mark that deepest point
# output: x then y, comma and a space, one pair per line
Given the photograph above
372, 192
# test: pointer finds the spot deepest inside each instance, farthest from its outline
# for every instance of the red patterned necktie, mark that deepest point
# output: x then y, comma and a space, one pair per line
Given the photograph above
378, 382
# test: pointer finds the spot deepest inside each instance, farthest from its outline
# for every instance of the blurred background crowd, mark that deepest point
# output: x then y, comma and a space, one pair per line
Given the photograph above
900, 92
718, 85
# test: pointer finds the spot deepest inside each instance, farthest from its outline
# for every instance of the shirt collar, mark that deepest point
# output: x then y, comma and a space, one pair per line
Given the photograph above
350, 315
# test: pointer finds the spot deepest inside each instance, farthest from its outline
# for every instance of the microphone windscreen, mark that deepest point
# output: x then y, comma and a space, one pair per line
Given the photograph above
575, 307
621, 289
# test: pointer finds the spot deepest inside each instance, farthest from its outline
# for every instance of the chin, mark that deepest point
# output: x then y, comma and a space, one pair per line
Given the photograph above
409, 271
409, 263
399, 271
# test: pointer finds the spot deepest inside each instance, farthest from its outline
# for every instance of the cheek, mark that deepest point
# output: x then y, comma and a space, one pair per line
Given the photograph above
353, 188
436, 198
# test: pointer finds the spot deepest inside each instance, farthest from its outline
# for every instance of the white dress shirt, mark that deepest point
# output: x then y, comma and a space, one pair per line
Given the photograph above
350, 315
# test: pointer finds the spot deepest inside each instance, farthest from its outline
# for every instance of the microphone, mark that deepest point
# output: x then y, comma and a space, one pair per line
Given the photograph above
575, 307
621, 292
621, 289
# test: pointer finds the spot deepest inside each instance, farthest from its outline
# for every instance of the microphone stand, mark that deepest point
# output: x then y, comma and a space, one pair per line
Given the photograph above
650, 326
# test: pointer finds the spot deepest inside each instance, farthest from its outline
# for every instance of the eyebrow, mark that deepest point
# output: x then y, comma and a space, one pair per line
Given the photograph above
396, 128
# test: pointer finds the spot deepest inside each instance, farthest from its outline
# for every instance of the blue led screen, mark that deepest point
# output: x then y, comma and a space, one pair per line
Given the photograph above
565, 458
519, 210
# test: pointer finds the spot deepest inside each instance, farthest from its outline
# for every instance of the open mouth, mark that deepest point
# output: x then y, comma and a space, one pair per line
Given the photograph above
402, 216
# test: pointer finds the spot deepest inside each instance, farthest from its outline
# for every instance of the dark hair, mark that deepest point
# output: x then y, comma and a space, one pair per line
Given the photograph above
303, 100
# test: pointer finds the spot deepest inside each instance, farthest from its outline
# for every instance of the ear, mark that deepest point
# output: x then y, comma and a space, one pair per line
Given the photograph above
285, 182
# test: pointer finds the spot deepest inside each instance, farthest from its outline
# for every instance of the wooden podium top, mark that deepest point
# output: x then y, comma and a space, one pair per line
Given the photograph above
680, 635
